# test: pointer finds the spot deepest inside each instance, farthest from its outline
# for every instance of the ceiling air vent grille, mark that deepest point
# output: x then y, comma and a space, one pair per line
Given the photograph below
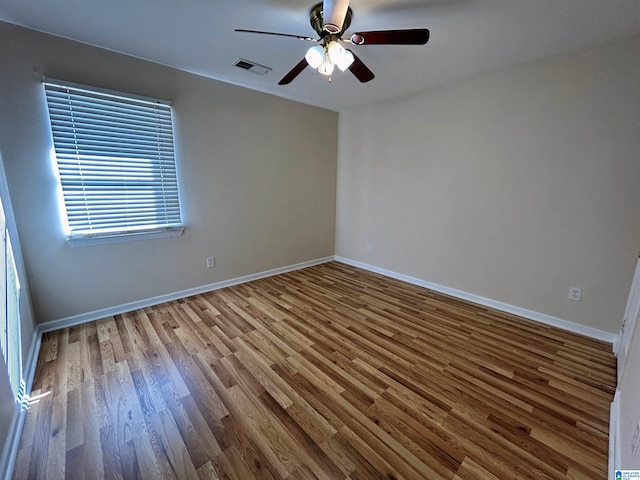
252, 67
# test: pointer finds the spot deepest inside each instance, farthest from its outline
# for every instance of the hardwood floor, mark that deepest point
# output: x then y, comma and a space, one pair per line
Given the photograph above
329, 372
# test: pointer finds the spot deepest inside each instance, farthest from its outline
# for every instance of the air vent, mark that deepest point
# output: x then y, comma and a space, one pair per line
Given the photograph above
252, 67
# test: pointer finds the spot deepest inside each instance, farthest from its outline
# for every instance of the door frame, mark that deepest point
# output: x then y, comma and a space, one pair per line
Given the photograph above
629, 320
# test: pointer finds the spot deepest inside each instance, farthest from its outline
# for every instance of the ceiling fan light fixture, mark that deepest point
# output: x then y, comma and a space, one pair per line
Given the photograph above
326, 67
315, 56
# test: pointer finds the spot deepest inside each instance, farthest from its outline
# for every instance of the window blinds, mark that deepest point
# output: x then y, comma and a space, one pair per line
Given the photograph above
115, 158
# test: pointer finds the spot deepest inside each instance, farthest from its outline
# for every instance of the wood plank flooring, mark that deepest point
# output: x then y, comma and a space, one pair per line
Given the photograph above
324, 373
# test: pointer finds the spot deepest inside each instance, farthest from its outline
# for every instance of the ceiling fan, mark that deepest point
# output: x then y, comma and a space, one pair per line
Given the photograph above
330, 19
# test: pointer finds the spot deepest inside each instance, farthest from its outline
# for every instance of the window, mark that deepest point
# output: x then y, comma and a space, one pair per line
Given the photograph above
116, 164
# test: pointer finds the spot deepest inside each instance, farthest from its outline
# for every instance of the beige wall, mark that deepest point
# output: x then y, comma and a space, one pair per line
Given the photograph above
255, 193
512, 186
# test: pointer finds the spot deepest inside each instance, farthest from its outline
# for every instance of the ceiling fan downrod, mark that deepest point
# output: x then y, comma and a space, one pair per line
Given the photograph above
316, 19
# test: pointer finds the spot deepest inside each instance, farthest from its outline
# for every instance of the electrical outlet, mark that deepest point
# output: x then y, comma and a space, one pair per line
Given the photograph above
635, 440
211, 262
369, 248
575, 294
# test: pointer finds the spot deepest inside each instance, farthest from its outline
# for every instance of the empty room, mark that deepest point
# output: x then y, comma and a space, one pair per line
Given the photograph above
339, 240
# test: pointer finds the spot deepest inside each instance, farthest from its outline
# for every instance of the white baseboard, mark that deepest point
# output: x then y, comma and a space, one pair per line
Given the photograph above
505, 307
148, 302
10, 450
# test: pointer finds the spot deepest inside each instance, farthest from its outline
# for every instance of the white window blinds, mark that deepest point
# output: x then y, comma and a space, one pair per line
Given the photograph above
116, 162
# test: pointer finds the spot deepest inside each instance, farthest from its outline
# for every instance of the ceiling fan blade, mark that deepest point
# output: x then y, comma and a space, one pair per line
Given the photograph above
333, 15
300, 37
294, 72
360, 70
418, 36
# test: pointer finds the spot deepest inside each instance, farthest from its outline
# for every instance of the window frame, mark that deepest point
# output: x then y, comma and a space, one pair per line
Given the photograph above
10, 329
160, 160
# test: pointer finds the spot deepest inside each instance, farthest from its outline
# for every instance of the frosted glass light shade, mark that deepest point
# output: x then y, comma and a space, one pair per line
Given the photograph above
345, 60
315, 56
326, 67
335, 51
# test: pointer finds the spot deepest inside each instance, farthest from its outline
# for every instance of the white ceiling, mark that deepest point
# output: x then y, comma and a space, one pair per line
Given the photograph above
468, 37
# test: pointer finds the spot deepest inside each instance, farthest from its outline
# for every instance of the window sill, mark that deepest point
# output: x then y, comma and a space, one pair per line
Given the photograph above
86, 241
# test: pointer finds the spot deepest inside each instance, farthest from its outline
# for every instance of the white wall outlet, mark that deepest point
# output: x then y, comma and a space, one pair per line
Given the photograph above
635, 440
369, 248
211, 262
575, 294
